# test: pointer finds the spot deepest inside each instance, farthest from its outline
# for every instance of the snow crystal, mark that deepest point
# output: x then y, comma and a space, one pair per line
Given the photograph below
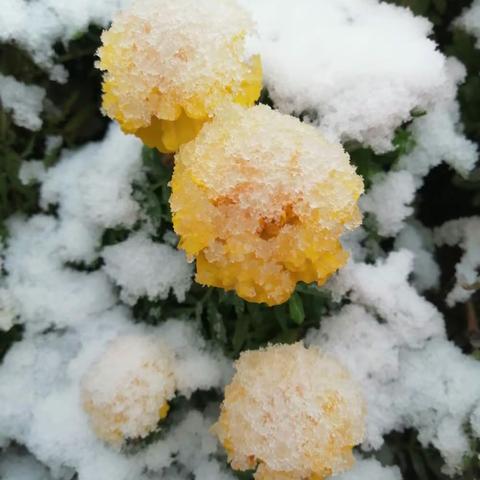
191, 443
94, 184
436, 395
32, 171
389, 201
419, 240
384, 288
45, 291
370, 469
438, 134
7, 309
24, 101
45, 288
464, 232
361, 88
55, 20
475, 421
197, 366
470, 20
142, 267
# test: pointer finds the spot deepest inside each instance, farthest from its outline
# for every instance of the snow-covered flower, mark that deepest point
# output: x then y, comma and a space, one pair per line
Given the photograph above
261, 199
169, 65
126, 392
291, 412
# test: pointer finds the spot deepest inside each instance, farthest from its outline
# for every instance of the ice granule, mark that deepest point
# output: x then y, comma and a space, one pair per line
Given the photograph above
142, 267
261, 199
292, 412
24, 101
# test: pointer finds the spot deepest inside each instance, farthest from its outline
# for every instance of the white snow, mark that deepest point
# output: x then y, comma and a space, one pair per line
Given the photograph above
321, 58
54, 20
439, 134
361, 88
370, 469
8, 311
25, 102
470, 20
389, 201
142, 267
425, 387
31, 172
384, 289
70, 316
464, 232
419, 240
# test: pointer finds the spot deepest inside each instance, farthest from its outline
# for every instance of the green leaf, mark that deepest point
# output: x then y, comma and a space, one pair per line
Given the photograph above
418, 464
215, 319
241, 332
296, 310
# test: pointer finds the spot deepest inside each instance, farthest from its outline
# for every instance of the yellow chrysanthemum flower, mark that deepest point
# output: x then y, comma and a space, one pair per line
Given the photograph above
291, 413
169, 64
261, 199
126, 392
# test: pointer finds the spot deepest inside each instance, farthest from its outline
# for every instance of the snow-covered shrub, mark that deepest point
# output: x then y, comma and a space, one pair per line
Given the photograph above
101, 321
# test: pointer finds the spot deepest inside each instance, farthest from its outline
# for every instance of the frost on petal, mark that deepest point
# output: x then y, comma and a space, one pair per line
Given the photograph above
169, 65
292, 412
261, 200
126, 392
